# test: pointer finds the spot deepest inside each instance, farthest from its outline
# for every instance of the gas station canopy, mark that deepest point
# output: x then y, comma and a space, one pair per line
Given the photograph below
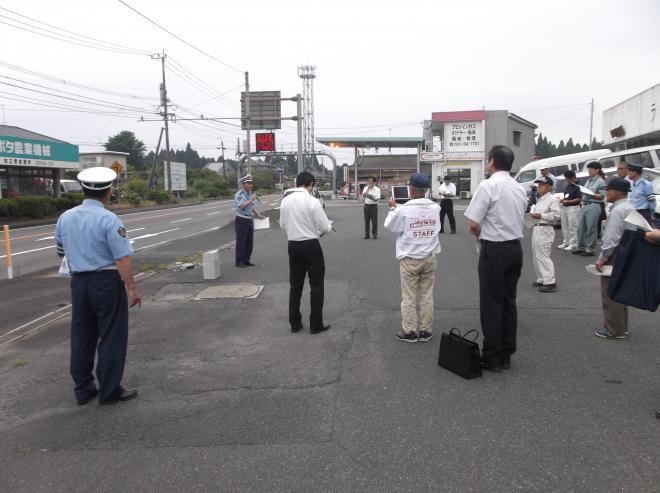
372, 142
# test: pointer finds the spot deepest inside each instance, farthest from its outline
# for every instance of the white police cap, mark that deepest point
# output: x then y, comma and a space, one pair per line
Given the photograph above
98, 178
246, 179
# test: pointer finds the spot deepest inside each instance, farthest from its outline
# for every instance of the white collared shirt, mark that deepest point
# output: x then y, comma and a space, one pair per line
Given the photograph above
416, 224
449, 190
302, 216
374, 192
498, 206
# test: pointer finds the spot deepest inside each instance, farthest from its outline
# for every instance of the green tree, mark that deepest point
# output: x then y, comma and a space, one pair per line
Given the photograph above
126, 141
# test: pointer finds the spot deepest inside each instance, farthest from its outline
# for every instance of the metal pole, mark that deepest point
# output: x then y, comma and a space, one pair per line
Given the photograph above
152, 185
238, 162
167, 130
10, 268
247, 121
299, 121
334, 180
591, 124
357, 154
419, 150
224, 165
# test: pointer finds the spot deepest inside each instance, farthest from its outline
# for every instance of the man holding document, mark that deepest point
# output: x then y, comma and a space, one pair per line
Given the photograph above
244, 202
303, 219
615, 315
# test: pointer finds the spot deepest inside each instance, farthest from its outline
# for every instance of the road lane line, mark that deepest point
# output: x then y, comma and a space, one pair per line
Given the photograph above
14, 254
181, 220
136, 229
46, 238
217, 212
177, 238
149, 235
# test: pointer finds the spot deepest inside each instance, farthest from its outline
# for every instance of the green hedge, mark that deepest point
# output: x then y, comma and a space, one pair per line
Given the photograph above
36, 207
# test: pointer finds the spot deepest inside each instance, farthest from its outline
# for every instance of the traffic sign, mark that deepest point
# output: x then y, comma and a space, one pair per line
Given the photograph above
116, 167
432, 156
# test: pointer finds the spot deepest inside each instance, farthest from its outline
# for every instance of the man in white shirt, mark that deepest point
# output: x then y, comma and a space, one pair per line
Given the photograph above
496, 218
447, 192
416, 224
547, 211
371, 196
303, 219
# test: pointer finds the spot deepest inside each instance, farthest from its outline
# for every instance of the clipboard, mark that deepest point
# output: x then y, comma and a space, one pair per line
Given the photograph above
261, 223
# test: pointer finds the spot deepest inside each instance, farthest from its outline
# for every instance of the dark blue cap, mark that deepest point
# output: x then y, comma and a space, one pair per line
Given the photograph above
418, 180
620, 184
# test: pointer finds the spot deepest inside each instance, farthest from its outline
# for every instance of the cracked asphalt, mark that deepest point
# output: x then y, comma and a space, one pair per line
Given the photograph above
231, 400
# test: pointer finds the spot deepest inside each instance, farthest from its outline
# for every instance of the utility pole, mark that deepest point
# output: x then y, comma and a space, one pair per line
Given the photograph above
238, 161
224, 165
163, 103
591, 124
247, 121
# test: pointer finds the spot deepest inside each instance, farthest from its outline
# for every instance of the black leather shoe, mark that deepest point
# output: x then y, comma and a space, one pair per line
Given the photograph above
241, 265
453, 233
506, 362
657, 414
494, 367
82, 402
366, 237
323, 328
248, 264
124, 395
297, 328
577, 251
537, 284
375, 237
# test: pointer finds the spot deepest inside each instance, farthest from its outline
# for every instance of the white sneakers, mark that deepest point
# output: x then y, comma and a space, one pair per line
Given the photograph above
562, 245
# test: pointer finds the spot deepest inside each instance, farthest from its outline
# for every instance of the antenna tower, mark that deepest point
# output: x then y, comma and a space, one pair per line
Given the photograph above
307, 74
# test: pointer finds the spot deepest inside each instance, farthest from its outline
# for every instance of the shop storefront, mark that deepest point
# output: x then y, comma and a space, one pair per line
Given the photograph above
31, 163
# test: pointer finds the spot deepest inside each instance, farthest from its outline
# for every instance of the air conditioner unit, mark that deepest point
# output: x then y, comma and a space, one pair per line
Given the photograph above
466, 194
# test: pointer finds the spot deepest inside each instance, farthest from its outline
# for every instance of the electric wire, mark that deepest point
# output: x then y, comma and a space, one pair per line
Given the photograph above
76, 34
181, 39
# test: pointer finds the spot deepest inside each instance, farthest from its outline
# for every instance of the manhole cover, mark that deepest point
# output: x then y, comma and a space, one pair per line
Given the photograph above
230, 291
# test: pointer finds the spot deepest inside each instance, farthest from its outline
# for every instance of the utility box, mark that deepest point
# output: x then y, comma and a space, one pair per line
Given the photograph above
211, 264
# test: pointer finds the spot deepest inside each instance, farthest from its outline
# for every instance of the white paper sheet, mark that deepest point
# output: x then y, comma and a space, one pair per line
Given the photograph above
262, 223
529, 221
587, 191
636, 219
607, 270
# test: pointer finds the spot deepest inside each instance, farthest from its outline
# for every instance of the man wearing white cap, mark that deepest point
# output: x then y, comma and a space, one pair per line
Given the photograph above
244, 202
545, 173
98, 255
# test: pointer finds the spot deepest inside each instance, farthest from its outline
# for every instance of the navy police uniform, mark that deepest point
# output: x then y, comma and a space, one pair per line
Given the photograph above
92, 238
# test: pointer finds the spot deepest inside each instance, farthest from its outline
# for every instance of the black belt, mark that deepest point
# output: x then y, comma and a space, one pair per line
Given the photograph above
500, 242
543, 224
589, 202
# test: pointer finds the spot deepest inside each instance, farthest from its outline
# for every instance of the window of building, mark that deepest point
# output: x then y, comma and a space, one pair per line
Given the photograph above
517, 134
461, 178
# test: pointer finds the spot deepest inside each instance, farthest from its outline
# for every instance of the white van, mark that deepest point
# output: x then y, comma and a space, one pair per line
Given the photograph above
648, 157
558, 165
70, 186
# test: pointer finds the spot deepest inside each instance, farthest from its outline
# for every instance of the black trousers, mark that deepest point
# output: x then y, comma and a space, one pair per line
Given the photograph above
306, 258
99, 317
244, 239
447, 207
371, 215
500, 264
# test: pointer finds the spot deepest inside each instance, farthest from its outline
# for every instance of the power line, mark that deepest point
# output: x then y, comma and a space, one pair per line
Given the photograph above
74, 33
210, 88
93, 100
63, 37
181, 39
72, 84
50, 104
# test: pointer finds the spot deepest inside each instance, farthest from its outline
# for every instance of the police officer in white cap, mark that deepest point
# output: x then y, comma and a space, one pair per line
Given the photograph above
98, 255
244, 202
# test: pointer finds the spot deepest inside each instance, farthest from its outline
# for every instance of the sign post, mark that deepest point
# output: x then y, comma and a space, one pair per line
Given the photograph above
10, 269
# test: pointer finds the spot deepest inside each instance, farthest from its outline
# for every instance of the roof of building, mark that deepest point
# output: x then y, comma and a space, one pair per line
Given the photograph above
21, 133
372, 142
458, 116
110, 153
387, 162
522, 120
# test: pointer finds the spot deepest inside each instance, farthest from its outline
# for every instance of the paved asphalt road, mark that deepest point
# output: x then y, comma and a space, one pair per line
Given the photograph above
33, 249
230, 400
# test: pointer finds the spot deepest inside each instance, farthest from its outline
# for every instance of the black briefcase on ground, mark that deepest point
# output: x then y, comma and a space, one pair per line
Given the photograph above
459, 354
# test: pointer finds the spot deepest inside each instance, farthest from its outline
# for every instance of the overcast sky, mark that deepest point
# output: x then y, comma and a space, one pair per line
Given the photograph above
381, 67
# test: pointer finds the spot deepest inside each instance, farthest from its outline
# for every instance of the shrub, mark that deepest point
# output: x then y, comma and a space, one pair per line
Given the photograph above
131, 197
6, 207
159, 196
28, 206
137, 186
68, 200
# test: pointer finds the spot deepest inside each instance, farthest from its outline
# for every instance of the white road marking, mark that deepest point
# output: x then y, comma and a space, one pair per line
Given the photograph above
47, 238
217, 212
136, 229
149, 235
177, 238
181, 220
29, 251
